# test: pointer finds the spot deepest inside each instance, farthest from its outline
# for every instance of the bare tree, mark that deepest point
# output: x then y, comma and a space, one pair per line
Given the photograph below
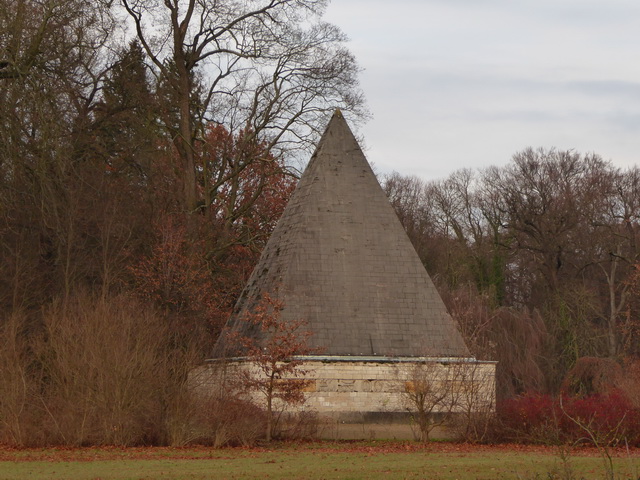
431, 395
269, 68
615, 251
477, 402
51, 54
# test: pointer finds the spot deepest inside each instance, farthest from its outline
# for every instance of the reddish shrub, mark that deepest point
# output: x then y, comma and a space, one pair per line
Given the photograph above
606, 419
527, 418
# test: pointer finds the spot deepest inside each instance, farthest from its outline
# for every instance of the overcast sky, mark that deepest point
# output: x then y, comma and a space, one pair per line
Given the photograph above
467, 83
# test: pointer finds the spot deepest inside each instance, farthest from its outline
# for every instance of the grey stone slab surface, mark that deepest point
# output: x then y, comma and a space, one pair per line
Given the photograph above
340, 260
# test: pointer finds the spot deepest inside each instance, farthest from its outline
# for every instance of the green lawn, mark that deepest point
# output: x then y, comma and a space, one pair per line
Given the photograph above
289, 462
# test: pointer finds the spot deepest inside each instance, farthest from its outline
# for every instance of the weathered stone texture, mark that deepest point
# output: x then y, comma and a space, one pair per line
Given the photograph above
340, 259
347, 388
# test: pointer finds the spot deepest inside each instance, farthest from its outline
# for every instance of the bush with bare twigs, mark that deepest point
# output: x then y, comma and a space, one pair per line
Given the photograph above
20, 378
92, 371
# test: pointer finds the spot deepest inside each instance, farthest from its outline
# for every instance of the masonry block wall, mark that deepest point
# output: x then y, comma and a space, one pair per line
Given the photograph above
356, 392
382, 387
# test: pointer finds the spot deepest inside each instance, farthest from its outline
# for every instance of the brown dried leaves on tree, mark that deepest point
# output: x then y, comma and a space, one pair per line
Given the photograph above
274, 351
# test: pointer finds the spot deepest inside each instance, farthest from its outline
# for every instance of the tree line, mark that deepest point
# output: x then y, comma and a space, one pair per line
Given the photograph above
122, 150
146, 151
537, 260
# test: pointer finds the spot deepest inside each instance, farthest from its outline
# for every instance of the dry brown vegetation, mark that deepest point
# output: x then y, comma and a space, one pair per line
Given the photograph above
535, 260
137, 191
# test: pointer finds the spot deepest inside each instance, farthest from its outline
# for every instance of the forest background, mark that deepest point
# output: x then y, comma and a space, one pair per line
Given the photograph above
147, 150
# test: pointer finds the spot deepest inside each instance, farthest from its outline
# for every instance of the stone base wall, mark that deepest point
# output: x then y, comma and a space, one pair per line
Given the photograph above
373, 399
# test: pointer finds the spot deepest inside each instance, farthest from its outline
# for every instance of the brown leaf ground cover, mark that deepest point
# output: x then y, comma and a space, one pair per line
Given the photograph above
67, 454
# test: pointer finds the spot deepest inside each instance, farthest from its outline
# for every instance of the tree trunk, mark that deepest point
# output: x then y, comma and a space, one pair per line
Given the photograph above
269, 412
186, 149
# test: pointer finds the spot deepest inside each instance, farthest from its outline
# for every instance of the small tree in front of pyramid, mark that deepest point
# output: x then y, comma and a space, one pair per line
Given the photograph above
431, 394
274, 351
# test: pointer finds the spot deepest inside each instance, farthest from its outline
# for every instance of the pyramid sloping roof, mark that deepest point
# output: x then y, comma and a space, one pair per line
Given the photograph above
340, 259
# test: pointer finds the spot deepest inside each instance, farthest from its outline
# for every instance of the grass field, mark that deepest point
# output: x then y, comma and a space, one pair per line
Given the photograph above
361, 460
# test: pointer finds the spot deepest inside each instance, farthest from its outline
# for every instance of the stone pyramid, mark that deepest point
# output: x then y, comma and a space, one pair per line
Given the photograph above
340, 259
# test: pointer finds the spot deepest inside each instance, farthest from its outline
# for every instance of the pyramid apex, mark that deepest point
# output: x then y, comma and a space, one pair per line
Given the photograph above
338, 119
338, 139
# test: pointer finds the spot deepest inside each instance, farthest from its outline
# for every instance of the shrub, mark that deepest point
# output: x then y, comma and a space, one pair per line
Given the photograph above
592, 376
231, 421
611, 418
91, 371
277, 375
105, 363
528, 418
629, 383
302, 425
608, 418
20, 379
